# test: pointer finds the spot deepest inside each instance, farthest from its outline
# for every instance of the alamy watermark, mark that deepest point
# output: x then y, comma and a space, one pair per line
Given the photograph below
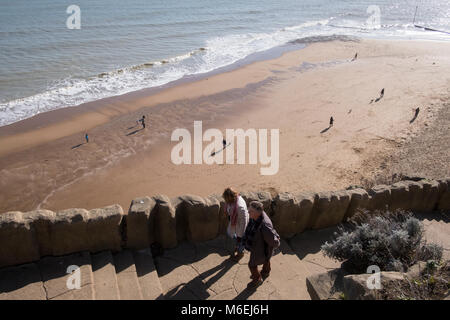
191, 151
74, 20
74, 280
374, 281
374, 20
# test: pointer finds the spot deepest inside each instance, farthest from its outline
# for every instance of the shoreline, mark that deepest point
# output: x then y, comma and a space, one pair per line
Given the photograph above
88, 113
114, 168
97, 112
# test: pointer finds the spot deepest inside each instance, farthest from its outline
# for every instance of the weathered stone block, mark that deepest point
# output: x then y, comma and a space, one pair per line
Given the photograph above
223, 216
415, 191
379, 198
292, 213
329, 209
444, 198
164, 227
41, 222
263, 196
69, 232
400, 197
104, 228
359, 200
355, 285
180, 218
325, 286
17, 241
202, 217
430, 195
139, 222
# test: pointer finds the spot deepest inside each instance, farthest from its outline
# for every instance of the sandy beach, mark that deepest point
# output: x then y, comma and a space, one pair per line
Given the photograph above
44, 163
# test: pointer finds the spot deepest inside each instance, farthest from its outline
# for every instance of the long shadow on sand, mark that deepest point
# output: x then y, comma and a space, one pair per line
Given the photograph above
78, 145
134, 132
216, 152
325, 130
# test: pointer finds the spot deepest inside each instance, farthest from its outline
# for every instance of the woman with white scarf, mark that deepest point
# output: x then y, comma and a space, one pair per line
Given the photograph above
236, 209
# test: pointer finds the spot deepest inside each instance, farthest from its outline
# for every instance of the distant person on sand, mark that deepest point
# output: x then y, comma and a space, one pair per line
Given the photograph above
236, 210
142, 120
417, 112
355, 57
87, 138
381, 96
224, 142
260, 239
331, 121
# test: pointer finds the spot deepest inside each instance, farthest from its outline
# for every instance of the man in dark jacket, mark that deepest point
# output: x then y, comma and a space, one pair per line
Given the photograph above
260, 239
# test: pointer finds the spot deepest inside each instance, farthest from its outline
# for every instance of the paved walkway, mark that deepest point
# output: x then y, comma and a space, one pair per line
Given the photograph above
190, 271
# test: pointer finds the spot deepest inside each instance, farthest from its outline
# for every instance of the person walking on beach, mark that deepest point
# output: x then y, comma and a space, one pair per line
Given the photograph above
87, 138
260, 239
224, 142
331, 122
142, 120
236, 210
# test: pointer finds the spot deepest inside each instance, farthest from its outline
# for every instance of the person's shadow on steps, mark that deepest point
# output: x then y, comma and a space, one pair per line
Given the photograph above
197, 288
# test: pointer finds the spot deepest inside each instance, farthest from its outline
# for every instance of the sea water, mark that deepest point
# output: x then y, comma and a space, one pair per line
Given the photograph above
123, 46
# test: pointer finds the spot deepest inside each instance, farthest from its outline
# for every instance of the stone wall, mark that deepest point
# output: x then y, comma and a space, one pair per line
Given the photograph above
26, 237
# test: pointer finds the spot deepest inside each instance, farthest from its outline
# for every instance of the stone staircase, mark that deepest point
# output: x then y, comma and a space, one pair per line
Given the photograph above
127, 275
196, 271
190, 271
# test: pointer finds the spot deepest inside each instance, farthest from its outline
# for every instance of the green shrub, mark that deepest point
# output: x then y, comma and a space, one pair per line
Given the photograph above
393, 242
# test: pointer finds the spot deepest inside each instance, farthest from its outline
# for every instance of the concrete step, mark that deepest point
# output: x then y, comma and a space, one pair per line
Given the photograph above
288, 274
307, 248
105, 279
179, 279
287, 279
58, 283
147, 276
21, 283
127, 278
204, 271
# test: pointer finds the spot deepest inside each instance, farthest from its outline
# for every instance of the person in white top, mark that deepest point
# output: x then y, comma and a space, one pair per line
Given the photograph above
236, 209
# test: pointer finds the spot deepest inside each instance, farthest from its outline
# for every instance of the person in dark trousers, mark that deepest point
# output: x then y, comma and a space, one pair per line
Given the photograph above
142, 120
87, 138
331, 121
260, 239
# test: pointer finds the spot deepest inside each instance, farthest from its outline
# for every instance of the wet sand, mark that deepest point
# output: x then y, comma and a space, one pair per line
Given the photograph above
43, 163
